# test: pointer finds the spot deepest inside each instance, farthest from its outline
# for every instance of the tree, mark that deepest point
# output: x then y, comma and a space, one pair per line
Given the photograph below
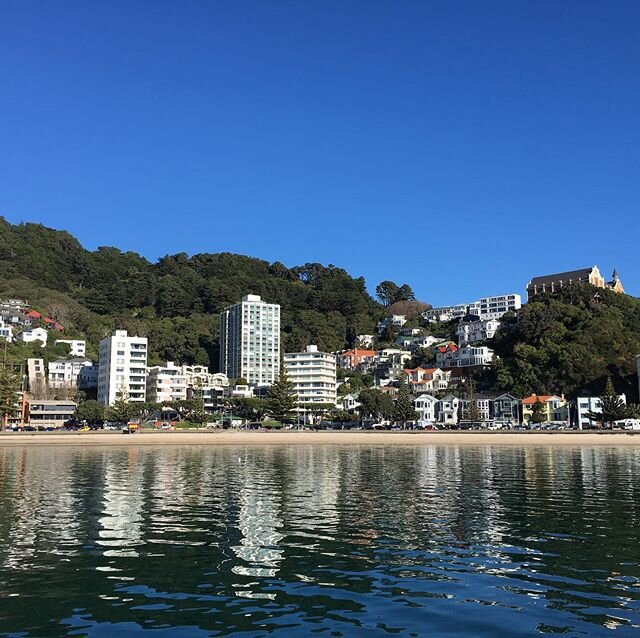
121, 410
90, 411
612, 407
538, 412
9, 388
375, 404
249, 408
387, 291
471, 412
281, 400
403, 410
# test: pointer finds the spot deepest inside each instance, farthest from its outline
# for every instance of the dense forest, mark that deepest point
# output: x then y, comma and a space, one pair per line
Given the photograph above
568, 342
175, 302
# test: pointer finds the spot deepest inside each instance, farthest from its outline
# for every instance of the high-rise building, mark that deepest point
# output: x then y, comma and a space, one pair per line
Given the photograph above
122, 368
313, 375
250, 341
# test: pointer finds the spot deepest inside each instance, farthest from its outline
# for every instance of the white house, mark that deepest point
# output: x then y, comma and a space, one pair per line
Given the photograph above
77, 347
397, 321
33, 334
425, 406
448, 410
365, 341
427, 379
6, 332
473, 330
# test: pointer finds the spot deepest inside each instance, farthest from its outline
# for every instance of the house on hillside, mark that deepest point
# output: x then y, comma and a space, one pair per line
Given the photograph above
422, 380
33, 334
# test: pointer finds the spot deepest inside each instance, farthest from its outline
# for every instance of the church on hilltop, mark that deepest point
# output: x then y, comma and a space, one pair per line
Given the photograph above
553, 283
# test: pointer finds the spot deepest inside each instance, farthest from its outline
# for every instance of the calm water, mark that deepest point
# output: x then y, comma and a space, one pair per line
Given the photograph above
327, 541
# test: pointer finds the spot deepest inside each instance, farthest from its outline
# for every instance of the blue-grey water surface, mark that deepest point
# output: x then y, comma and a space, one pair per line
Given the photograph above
319, 540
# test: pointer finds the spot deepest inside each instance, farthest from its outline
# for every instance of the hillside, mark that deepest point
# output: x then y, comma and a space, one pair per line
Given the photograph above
175, 302
570, 342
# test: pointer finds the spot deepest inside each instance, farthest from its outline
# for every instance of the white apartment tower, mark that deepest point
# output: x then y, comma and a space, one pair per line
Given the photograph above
250, 341
122, 368
313, 375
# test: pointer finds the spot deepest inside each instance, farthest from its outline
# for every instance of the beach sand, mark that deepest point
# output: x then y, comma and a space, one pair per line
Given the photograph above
338, 437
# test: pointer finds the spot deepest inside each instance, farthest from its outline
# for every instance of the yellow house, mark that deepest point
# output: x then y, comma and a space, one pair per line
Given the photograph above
555, 407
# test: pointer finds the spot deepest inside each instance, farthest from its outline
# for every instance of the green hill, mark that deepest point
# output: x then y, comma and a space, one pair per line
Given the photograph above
175, 302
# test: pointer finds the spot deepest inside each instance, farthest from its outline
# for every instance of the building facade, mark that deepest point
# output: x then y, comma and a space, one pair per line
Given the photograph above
250, 341
313, 375
166, 383
33, 334
122, 368
484, 308
555, 282
6, 331
472, 330
79, 373
49, 413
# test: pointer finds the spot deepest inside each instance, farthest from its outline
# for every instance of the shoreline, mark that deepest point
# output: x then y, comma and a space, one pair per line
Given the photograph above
335, 437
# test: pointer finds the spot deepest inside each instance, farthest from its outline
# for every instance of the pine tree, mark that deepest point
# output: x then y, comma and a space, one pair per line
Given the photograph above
538, 413
612, 407
9, 387
121, 410
281, 400
403, 410
471, 412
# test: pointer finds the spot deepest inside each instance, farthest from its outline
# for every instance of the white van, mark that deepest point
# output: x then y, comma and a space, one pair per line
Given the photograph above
630, 424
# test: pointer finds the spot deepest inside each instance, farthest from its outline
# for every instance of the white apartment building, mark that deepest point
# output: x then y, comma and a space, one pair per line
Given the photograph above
474, 356
33, 334
122, 368
469, 332
73, 373
6, 332
166, 383
250, 341
584, 405
313, 375
77, 347
485, 308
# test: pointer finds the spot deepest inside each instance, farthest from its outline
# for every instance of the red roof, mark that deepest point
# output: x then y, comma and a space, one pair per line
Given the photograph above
34, 314
534, 398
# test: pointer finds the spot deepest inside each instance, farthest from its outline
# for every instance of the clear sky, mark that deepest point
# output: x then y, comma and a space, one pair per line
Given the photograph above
459, 146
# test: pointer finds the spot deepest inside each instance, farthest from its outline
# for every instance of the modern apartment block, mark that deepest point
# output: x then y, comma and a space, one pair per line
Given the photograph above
166, 383
485, 308
73, 373
122, 368
250, 341
313, 375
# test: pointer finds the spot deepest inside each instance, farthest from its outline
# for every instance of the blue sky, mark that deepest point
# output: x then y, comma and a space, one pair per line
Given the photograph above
460, 146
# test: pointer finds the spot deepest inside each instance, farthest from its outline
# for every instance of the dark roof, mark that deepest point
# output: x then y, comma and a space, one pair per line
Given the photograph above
574, 275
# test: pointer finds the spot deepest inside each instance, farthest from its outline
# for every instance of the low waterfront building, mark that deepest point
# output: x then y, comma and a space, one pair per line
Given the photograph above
583, 406
554, 407
448, 410
505, 410
45, 413
425, 406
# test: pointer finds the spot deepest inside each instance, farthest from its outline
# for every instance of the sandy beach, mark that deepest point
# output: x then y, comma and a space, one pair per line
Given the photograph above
591, 438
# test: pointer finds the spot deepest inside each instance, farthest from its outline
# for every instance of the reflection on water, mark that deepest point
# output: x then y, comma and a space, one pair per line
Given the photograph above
341, 541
